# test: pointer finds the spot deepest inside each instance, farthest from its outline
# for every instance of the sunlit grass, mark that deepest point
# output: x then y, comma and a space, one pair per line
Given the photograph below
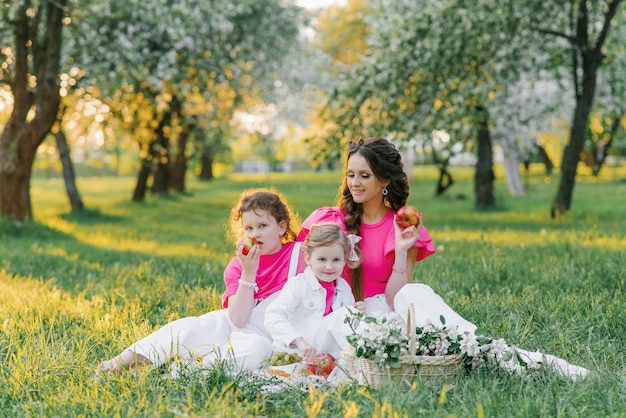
76, 289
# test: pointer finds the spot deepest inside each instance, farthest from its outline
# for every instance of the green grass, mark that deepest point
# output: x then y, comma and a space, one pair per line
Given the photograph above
76, 289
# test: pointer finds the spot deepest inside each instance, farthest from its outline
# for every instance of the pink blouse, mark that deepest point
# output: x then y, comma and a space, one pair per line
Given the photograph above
271, 276
377, 246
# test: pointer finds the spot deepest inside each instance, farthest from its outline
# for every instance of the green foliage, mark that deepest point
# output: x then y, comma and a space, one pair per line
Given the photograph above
431, 65
173, 72
77, 289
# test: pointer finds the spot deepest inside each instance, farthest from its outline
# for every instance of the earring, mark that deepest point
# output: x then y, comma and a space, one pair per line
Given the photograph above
385, 192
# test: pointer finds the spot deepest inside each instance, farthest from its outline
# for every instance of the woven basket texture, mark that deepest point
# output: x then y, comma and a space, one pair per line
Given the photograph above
424, 367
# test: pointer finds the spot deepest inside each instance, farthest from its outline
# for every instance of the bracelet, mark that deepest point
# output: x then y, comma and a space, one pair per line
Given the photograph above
248, 285
401, 271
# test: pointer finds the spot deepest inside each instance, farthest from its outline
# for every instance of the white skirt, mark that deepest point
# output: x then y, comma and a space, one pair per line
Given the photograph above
429, 307
212, 337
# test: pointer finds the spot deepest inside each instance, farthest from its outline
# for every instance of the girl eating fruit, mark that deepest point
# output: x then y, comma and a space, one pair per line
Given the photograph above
372, 192
253, 277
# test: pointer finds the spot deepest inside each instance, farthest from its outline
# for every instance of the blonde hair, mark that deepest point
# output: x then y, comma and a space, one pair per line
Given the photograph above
262, 199
325, 234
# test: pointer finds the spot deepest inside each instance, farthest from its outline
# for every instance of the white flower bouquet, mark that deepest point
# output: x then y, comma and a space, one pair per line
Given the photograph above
379, 337
473, 349
382, 344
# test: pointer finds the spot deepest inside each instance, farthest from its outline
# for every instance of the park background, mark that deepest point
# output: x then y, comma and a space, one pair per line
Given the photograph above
128, 128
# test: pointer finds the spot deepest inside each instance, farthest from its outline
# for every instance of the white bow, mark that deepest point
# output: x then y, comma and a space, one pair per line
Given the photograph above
354, 239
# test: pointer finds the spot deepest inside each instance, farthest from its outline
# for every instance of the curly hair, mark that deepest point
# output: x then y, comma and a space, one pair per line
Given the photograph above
262, 199
386, 163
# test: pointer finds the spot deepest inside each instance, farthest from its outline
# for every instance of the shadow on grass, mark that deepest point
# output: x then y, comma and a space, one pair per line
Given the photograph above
39, 251
90, 217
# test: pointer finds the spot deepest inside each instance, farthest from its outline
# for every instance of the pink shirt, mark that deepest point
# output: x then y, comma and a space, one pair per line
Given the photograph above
377, 247
271, 276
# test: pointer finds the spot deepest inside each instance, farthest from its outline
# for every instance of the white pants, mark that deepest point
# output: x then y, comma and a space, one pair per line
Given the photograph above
209, 338
429, 307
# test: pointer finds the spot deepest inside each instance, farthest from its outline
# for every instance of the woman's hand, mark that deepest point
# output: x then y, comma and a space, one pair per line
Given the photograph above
405, 256
360, 306
407, 237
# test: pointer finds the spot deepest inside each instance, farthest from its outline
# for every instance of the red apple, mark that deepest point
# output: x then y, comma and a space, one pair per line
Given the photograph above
323, 365
407, 216
247, 244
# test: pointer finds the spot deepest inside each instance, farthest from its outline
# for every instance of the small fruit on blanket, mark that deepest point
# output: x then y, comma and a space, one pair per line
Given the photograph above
407, 216
303, 372
247, 244
280, 373
284, 358
323, 365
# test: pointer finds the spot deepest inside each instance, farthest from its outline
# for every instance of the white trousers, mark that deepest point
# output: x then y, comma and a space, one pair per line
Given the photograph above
429, 307
210, 338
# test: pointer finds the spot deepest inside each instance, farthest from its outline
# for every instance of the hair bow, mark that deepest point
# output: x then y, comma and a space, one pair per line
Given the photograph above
354, 239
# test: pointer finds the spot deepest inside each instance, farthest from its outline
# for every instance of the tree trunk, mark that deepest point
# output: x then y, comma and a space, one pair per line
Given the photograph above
605, 145
15, 174
160, 149
586, 59
547, 162
68, 172
142, 182
513, 175
206, 163
408, 159
445, 180
483, 179
160, 177
600, 156
178, 168
571, 155
23, 133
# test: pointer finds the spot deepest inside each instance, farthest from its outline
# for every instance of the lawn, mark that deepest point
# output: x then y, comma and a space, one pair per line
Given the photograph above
77, 288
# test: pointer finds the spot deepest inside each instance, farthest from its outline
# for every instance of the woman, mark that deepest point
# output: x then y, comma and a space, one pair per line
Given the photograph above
374, 187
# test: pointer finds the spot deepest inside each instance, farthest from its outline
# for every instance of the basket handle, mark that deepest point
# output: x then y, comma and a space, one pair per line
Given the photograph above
410, 328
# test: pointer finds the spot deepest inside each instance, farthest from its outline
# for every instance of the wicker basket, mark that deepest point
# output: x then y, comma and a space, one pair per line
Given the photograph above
425, 367
373, 375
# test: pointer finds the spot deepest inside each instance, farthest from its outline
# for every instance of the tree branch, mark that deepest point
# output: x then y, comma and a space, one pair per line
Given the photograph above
569, 38
608, 17
582, 37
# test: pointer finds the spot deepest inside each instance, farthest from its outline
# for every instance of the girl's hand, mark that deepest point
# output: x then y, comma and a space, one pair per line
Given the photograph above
307, 351
405, 238
360, 306
249, 262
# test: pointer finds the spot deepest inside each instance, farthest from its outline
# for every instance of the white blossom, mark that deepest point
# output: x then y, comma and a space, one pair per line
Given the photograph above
381, 337
469, 344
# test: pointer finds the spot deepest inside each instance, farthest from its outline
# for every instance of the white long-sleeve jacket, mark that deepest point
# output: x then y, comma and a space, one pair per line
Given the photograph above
299, 308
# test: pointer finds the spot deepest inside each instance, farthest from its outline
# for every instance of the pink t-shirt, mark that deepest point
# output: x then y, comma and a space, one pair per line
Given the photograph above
271, 276
377, 247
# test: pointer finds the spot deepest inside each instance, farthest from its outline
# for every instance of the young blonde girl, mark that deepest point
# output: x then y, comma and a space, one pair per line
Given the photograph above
300, 317
236, 333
